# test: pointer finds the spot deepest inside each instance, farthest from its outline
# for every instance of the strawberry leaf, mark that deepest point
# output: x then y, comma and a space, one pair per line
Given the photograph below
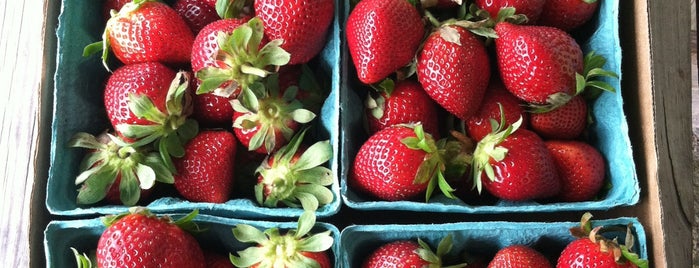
248, 257
143, 107
248, 234
319, 153
302, 115
129, 191
95, 186
308, 201
305, 223
162, 173
146, 176
82, 260
317, 175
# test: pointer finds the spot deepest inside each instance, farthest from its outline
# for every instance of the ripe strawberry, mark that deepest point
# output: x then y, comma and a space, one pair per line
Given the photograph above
197, 13
302, 25
565, 122
537, 63
205, 172
513, 164
296, 248
115, 171
454, 69
519, 256
140, 239
581, 168
294, 176
408, 253
530, 8
143, 31
148, 102
399, 163
497, 102
266, 118
383, 36
592, 249
567, 15
402, 103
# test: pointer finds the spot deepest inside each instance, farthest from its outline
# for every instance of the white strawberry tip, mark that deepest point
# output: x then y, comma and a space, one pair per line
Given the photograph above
296, 183
488, 148
276, 250
138, 167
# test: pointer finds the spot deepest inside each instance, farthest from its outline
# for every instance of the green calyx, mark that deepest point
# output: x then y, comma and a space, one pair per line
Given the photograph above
433, 166
622, 253
110, 158
227, 9
376, 102
82, 260
171, 129
240, 61
588, 83
263, 106
488, 148
276, 250
296, 182
185, 223
435, 259
477, 21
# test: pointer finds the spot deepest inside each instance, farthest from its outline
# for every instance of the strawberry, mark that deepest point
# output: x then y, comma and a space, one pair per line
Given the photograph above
266, 118
383, 36
567, 15
148, 102
408, 253
143, 31
530, 8
454, 69
581, 168
399, 163
294, 176
116, 171
302, 25
519, 256
497, 102
205, 172
197, 13
565, 122
537, 63
592, 249
402, 103
296, 248
513, 164
140, 239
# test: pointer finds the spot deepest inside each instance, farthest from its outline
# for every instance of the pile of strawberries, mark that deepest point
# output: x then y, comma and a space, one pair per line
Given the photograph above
490, 95
204, 91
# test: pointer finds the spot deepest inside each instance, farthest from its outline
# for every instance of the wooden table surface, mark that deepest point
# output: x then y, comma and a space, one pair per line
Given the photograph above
26, 65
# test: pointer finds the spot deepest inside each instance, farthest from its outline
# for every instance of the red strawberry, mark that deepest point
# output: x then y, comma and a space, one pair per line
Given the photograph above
113, 165
454, 69
383, 36
408, 253
565, 122
294, 176
567, 15
296, 248
519, 256
399, 163
216, 260
592, 249
404, 103
537, 62
496, 98
302, 25
140, 239
513, 164
529, 8
205, 172
197, 13
143, 31
581, 168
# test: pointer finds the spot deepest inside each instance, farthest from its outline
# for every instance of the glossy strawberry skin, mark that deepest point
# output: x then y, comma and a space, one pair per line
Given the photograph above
527, 172
321, 257
479, 126
302, 25
197, 13
567, 15
536, 61
585, 253
150, 79
382, 36
455, 76
385, 168
530, 8
144, 241
205, 173
581, 168
565, 122
401, 253
519, 256
408, 103
148, 34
